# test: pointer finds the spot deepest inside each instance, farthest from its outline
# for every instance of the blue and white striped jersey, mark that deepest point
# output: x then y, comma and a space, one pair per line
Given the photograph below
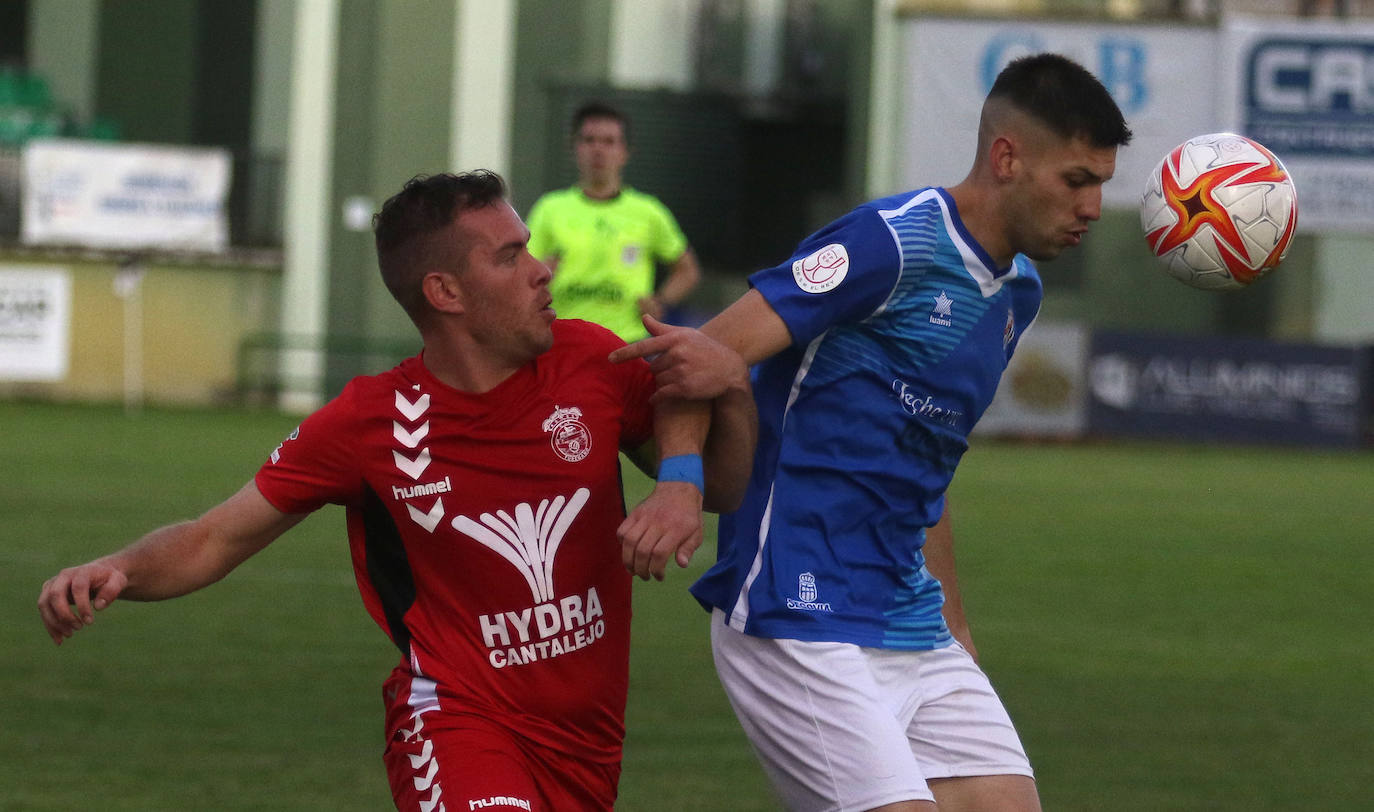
902, 326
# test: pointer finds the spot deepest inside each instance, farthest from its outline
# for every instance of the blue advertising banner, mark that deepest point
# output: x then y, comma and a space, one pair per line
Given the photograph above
1233, 390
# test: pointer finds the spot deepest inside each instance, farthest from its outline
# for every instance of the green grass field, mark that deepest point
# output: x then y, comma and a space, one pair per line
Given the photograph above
1173, 628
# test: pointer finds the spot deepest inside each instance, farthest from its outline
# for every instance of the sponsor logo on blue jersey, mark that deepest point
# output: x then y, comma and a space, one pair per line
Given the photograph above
918, 405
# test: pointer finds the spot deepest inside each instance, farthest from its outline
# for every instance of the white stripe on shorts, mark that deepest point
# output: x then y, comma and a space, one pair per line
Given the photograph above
841, 727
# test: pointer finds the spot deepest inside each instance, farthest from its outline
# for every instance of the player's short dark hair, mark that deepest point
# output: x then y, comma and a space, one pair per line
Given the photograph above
600, 109
1063, 96
412, 229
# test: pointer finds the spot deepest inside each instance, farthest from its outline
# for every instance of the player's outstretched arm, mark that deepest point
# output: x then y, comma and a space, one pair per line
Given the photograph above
667, 524
723, 378
728, 457
168, 562
706, 452
693, 370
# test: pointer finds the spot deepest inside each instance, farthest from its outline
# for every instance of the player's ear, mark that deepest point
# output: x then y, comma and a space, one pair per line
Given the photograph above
1004, 156
442, 291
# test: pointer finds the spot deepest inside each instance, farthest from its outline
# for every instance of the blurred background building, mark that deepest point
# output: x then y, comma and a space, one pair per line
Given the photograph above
756, 121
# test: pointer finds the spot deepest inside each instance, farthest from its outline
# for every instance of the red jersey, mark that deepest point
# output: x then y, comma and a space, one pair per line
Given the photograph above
482, 530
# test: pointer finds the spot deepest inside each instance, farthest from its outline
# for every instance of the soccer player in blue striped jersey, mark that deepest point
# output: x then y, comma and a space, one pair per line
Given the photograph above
837, 627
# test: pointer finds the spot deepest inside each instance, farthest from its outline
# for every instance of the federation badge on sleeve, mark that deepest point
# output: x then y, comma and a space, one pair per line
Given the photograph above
822, 271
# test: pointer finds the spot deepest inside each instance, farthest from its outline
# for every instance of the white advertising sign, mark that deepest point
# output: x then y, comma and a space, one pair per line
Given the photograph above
125, 196
1305, 90
35, 323
1162, 78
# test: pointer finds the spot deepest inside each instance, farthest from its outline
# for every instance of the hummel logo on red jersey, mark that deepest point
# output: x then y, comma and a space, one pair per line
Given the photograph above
444, 485
276, 453
412, 468
412, 411
409, 439
499, 800
429, 520
415, 467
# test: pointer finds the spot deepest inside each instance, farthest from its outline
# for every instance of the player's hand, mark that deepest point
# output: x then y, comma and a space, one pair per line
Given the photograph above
70, 599
651, 306
686, 363
667, 524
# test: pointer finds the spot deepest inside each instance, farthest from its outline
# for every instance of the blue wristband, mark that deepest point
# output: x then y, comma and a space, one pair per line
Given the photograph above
682, 468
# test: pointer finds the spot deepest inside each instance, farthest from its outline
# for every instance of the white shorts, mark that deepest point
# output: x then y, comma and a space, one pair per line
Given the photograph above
843, 727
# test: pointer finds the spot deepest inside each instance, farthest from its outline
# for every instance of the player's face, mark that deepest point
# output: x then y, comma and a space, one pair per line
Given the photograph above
1059, 194
601, 150
506, 302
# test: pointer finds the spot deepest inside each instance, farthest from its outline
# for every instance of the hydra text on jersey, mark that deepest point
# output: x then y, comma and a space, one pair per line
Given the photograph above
544, 631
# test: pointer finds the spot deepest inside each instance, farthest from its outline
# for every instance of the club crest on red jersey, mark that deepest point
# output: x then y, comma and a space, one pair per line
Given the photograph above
569, 436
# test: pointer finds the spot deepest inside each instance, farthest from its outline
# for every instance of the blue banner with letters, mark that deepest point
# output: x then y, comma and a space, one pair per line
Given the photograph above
1227, 390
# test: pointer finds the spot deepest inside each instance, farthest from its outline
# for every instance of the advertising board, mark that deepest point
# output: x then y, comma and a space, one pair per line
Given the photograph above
35, 323
1152, 72
1226, 389
125, 196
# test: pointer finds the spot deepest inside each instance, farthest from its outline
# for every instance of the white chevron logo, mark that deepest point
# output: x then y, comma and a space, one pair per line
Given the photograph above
409, 439
429, 520
428, 806
530, 539
417, 760
423, 782
412, 468
412, 411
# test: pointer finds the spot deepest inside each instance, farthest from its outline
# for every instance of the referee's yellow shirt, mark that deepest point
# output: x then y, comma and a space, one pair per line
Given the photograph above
606, 251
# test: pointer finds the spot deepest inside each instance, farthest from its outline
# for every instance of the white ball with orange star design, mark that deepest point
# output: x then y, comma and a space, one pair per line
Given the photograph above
1219, 211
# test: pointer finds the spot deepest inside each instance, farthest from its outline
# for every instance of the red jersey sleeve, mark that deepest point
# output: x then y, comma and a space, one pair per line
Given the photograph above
638, 384
316, 464
634, 382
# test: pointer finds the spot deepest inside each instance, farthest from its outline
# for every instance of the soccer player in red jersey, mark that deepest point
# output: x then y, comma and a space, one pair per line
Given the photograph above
485, 514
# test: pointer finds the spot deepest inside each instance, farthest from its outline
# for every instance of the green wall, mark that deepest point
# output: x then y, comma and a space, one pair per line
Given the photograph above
144, 69
395, 66
559, 43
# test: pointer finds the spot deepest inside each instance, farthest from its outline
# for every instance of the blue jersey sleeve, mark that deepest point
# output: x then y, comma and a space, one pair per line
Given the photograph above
839, 275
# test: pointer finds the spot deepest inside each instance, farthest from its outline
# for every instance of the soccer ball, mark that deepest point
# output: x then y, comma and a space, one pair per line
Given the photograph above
1219, 211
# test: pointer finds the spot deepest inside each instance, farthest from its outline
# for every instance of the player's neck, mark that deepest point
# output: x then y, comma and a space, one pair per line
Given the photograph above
600, 188
466, 368
979, 213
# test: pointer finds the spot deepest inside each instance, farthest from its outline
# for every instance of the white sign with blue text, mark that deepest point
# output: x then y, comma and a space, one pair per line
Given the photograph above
125, 196
35, 323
